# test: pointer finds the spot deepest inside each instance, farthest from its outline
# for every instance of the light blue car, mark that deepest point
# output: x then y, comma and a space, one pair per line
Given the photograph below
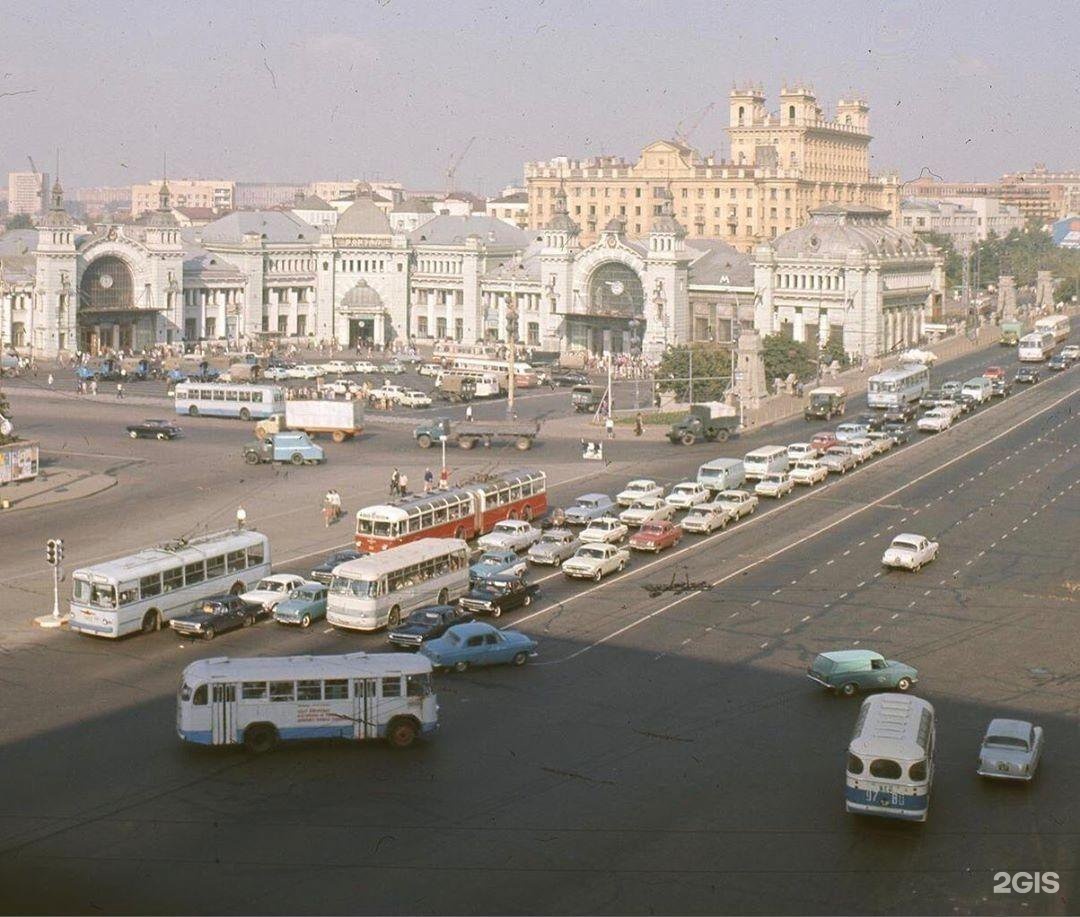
304, 605
494, 563
588, 507
478, 643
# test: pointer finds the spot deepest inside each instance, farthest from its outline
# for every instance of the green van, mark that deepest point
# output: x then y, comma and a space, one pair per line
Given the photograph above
850, 671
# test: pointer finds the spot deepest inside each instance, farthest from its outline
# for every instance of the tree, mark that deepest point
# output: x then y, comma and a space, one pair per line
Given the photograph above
784, 356
19, 221
712, 372
834, 350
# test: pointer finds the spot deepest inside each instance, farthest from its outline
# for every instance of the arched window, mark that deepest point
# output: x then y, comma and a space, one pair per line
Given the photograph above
615, 289
791, 113
742, 114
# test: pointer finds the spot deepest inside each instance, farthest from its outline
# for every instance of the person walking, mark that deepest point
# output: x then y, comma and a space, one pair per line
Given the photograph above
335, 498
429, 480
639, 424
119, 391
403, 484
468, 414
328, 508
395, 481
444, 478
241, 517
609, 426
93, 386
49, 381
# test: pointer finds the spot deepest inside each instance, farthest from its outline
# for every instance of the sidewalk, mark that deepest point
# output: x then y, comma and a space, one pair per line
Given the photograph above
53, 485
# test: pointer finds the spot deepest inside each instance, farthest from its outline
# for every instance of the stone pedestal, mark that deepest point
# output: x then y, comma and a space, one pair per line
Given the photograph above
749, 384
1044, 291
1007, 298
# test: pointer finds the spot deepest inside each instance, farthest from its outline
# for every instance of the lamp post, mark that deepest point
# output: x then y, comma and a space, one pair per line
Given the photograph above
511, 333
442, 441
635, 351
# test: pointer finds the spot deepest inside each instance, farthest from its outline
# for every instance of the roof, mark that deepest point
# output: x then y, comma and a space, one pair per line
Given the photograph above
835, 230
311, 202
362, 296
852, 655
413, 205
1017, 729
198, 213
525, 267
719, 264
518, 197
363, 218
164, 557
373, 566
202, 263
271, 668
274, 226
889, 725
447, 229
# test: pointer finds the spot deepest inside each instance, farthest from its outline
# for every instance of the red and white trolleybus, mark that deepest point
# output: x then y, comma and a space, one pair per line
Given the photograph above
461, 512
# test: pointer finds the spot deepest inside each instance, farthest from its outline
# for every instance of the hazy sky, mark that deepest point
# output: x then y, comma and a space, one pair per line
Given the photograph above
384, 88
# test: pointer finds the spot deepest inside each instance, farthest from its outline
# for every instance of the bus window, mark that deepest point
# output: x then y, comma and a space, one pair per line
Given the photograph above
256, 397
103, 596
309, 690
199, 697
336, 689
282, 691
172, 579
128, 594
253, 690
81, 590
219, 395
255, 555
150, 586
195, 573
417, 685
385, 529
886, 769
245, 396
215, 567
364, 526
391, 687
237, 560
232, 395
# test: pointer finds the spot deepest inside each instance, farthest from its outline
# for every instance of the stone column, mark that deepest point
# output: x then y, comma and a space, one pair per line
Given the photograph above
431, 313
1044, 290
1007, 298
750, 384
500, 299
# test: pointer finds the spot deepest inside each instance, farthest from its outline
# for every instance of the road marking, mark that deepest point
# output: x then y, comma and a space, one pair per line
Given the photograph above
876, 629
863, 583
843, 595
812, 572
847, 552
830, 563
775, 591
861, 543
756, 602
805, 619
896, 614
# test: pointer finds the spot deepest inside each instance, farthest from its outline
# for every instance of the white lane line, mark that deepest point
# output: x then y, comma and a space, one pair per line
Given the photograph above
861, 543
876, 629
846, 553
733, 614
812, 572
928, 591
776, 592
877, 534
876, 575
843, 595
793, 582
911, 604
805, 619
896, 614
863, 583
755, 602
956, 573
830, 563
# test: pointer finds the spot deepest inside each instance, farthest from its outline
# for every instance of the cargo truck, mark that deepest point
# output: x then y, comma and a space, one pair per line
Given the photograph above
710, 421
467, 435
341, 419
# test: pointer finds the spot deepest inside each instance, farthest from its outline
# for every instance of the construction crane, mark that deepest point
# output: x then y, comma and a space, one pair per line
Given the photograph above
34, 169
683, 136
451, 170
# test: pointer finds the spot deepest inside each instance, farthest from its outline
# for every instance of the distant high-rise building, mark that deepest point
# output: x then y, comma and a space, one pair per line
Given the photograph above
185, 192
27, 192
267, 194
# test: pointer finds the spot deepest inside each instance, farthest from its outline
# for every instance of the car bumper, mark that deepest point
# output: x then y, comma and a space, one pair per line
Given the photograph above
578, 572
994, 773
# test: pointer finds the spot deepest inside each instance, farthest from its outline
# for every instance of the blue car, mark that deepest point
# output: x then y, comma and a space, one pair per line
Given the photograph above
588, 507
85, 373
495, 563
304, 605
478, 643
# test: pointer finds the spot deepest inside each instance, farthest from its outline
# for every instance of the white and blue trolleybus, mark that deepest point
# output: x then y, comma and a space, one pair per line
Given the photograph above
895, 388
224, 399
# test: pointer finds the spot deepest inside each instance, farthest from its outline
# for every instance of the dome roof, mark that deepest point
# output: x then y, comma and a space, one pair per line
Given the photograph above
835, 230
363, 218
362, 297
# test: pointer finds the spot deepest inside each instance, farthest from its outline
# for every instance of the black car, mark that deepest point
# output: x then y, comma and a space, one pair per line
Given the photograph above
872, 421
1000, 388
901, 414
900, 432
967, 403
1027, 374
323, 572
427, 623
497, 595
154, 429
213, 616
931, 398
566, 378
1057, 363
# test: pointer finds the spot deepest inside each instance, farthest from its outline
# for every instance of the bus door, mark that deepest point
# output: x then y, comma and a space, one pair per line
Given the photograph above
365, 708
222, 714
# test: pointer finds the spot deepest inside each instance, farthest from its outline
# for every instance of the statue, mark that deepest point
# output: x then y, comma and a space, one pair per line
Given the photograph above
549, 292
658, 298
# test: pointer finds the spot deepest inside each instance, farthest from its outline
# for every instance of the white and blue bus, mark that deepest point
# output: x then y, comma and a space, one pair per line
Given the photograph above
896, 387
890, 762
1035, 347
1058, 325
140, 592
263, 700
222, 399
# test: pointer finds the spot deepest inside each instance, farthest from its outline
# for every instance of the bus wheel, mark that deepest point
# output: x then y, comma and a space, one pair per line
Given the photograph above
151, 621
443, 596
401, 733
461, 666
903, 684
193, 410
260, 738
520, 658
245, 414
849, 689
394, 618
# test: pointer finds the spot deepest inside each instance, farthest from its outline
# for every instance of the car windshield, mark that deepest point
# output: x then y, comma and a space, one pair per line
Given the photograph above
592, 552
684, 488
1006, 742
269, 585
637, 486
643, 504
588, 502
491, 560
652, 529
551, 540
806, 465
510, 527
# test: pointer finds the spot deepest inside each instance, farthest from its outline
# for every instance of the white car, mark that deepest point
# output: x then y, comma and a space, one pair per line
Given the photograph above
605, 530
341, 387
809, 471
338, 366
304, 371
430, 369
935, 421
947, 404
510, 535
276, 373
647, 509
839, 458
926, 357
687, 494
862, 448
774, 484
414, 399
635, 490
882, 441
387, 391
554, 546
909, 552
272, 589
706, 518
738, 502
1071, 351
364, 366
595, 561
797, 451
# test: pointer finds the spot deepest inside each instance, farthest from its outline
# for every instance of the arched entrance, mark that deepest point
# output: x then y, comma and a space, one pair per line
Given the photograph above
614, 297
107, 316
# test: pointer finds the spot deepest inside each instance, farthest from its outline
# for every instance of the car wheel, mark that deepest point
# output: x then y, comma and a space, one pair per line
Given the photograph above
903, 684
916, 568
133, 434
622, 563
297, 459
305, 621
461, 666
208, 634
520, 658
249, 621
597, 575
557, 563
527, 601
252, 458
496, 612
849, 689
162, 437
394, 618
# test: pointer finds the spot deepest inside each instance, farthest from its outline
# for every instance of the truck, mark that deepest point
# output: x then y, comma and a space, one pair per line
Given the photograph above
1011, 332
468, 434
709, 420
825, 403
455, 389
295, 448
587, 398
341, 419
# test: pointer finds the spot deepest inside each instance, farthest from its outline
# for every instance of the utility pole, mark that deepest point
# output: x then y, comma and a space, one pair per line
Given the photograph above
690, 350
511, 330
609, 398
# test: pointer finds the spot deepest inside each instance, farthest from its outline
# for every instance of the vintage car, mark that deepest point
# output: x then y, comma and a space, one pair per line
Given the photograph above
595, 561
1071, 352
495, 563
364, 366
882, 440
707, 518
1058, 362
822, 441
647, 509
1027, 375
478, 643
774, 484
427, 623
899, 431
909, 552
655, 536
1000, 388
993, 372
839, 459
850, 671
273, 374
738, 502
901, 413
270, 590
324, 572
510, 535
154, 429
338, 366
304, 371
853, 429
637, 490
862, 448
687, 494
798, 451
935, 421
605, 530
213, 616
341, 387
411, 398
303, 605
553, 547
588, 507
1010, 750
499, 594
809, 471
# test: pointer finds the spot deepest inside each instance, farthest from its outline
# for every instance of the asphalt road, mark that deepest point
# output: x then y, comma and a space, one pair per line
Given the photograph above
664, 753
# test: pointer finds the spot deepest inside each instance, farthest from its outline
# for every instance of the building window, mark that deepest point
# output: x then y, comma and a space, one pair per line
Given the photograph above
421, 326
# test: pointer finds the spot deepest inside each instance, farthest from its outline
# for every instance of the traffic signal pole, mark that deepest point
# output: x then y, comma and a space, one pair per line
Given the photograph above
54, 556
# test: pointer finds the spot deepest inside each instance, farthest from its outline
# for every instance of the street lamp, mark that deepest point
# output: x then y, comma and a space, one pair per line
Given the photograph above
442, 440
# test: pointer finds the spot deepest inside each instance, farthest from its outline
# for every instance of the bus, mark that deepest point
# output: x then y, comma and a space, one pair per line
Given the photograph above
524, 375
480, 385
1035, 347
1057, 325
381, 589
459, 512
261, 701
897, 387
138, 593
222, 399
890, 762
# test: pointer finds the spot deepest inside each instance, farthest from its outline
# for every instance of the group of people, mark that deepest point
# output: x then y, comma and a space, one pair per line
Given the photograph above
399, 482
331, 507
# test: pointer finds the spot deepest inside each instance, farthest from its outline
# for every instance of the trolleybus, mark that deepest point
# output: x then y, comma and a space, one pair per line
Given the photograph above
896, 387
222, 399
1035, 347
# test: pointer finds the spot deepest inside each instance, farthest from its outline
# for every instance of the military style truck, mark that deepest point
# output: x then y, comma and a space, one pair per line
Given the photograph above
825, 403
708, 421
468, 434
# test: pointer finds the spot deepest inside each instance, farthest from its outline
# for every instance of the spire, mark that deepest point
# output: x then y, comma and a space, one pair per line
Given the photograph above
163, 194
561, 220
57, 190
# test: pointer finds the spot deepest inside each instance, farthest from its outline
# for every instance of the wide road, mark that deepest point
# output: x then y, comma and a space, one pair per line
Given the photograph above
664, 752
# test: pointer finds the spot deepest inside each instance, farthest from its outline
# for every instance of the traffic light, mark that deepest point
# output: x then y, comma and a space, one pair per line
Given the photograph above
54, 551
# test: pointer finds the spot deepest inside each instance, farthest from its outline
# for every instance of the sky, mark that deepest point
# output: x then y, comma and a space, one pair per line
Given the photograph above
394, 89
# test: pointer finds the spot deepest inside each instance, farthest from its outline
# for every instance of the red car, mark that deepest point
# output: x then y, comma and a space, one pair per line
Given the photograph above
824, 441
993, 372
655, 536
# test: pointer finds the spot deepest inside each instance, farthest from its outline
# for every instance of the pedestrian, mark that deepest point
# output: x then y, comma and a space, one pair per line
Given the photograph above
241, 517
119, 391
468, 414
395, 481
49, 381
609, 426
429, 480
444, 478
403, 484
639, 424
327, 508
93, 386
336, 500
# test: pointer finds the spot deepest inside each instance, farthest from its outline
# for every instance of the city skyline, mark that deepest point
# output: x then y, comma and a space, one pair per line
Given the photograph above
338, 93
